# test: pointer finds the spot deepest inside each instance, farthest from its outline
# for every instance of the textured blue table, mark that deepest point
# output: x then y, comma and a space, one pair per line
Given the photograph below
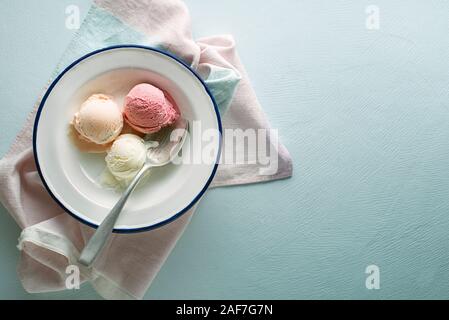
365, 115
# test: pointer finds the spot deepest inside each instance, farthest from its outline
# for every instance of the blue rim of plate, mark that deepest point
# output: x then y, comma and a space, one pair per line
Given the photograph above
42, 104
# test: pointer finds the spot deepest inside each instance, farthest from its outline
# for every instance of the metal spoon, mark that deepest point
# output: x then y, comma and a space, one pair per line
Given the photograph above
159, 156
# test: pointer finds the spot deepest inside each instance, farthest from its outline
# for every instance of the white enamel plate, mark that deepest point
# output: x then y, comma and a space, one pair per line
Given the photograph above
72, 176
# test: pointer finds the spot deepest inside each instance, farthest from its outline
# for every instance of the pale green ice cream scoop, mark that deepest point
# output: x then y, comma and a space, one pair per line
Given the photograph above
126, 156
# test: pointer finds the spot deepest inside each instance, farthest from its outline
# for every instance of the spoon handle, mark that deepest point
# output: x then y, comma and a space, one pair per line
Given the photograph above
104, 230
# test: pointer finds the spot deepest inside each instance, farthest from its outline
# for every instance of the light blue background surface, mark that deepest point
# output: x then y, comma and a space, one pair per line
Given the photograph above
365, 115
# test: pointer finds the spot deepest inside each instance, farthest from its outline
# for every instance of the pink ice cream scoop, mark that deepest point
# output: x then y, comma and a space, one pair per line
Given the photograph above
148, 109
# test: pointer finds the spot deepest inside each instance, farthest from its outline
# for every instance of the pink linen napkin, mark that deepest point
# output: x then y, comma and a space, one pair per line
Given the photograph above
51, 239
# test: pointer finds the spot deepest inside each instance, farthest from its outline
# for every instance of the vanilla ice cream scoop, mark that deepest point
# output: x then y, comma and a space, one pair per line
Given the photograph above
99, 119
126, 156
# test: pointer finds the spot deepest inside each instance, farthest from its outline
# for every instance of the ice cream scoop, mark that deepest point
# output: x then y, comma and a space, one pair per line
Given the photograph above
126, 157
148, 109
99, 119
